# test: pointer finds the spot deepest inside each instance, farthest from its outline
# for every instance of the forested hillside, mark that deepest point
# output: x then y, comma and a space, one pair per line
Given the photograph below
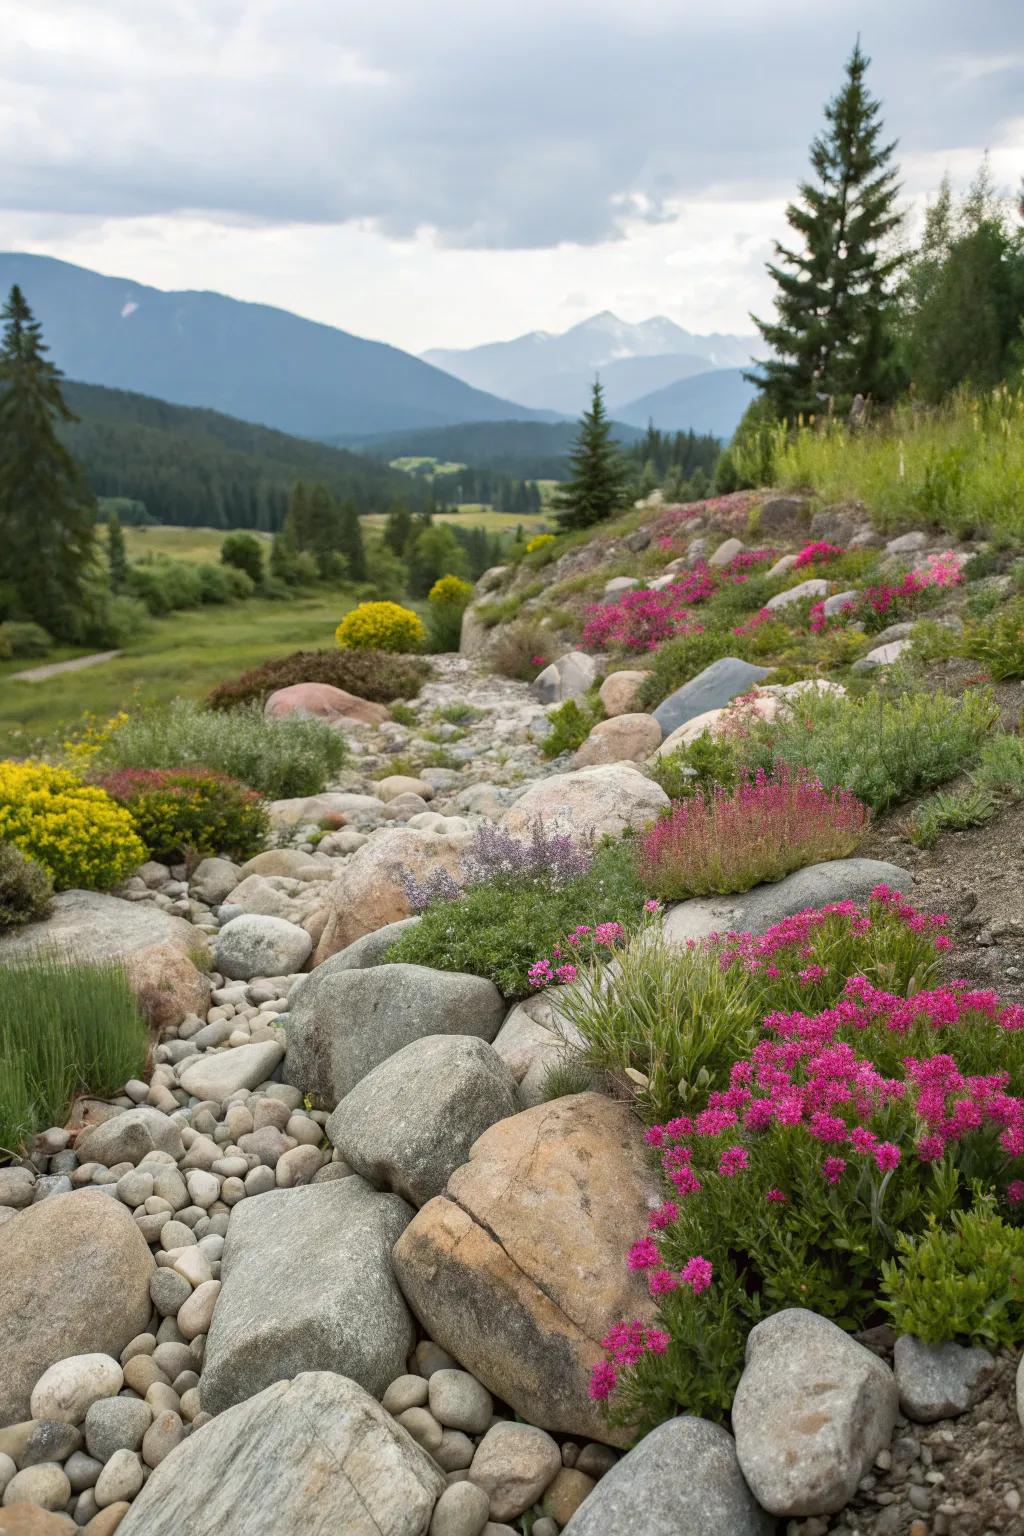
201, 469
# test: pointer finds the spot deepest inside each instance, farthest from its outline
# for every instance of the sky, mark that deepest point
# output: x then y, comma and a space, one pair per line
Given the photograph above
450, 172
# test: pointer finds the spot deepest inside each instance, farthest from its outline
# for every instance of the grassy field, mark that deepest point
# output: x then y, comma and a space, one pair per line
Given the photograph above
184, 654
473, 515
200, 544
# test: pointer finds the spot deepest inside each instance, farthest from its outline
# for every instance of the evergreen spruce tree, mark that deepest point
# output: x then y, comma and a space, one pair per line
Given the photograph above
47, 514
398, 529
832, 337
117, 558
597, 488
350, 542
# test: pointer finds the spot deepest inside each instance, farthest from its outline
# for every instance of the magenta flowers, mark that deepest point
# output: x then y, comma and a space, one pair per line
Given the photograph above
643, 619
760, 831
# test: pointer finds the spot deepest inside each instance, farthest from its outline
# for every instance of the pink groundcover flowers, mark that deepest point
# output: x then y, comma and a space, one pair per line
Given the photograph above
643, 619
816, 553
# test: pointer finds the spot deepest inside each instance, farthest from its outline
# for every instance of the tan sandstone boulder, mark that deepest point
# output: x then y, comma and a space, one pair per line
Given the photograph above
618, 693
321, 701
519, 1268
623, 739
369, 892
612, 798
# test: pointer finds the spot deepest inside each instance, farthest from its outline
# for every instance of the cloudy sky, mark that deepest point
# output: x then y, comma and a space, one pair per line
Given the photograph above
446, 172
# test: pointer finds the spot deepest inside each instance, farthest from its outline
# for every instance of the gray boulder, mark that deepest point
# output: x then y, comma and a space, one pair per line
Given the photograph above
90, 925
610, 798
307, 1282
218, 1074
127, 1137
713, 688
532, 1041
74, 1279
567, 678
938, 1381
254, 945
838, 601
812, 1410
682, 1479
315, 1455
213, 880
411, 1121
814, 587
726, 551
343, 1023
372, 948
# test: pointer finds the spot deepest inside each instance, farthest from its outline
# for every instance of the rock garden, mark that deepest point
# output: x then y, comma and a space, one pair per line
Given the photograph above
571, 1083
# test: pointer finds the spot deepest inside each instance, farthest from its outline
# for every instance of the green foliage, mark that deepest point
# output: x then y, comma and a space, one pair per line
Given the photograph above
281, 758
458, 714
1000, 767
832, 336
25, 888
434, 552
596, 488
76, 832
566, 1076
117, 559
706, 764
885, 749
998, 643
245, 552
447, 601
401, 714
47, 513
951, 812
24, 639
498, 610
962, 1282
376, 675
190, 812
571, 724
64, 1027
500, 928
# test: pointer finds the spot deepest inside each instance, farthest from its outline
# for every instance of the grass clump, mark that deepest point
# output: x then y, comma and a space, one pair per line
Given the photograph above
951, 812
998, 642
280, 758
379, 676
706, 764
65, 1027
25, 888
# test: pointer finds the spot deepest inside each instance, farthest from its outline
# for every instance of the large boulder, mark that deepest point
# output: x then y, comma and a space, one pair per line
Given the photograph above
623, 739
289, 864
320, 701
813, 588
619, 691
74, 1279
213, 880
372, 948
518, 1271
759, 909
256, 945
533, 1040
713, 688
411, 1121
307, 1283
158, 951
812, 1410
611, 798
307, 810
314, 1455
217, 1075
128, 1136
570, 677
767, 703
682, 1479
369, 891
343, 1023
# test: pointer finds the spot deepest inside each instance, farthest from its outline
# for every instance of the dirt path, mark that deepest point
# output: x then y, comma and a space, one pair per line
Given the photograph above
40, 674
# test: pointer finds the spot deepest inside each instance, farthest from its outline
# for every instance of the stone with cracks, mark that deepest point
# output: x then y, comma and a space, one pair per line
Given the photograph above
314, 1455
369, 891
343, 1022
411, 1121
517, 1270
306, 1282
611, 798
254, 945
99, 1306
218, 1074
682, 1479
128, 1136
812, 1410
713, 688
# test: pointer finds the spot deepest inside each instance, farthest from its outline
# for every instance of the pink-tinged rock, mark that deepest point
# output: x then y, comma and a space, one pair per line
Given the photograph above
321, 701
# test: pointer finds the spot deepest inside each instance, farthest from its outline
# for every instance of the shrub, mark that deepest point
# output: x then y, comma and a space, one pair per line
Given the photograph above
447, 600
74, 830
999, 643
376, 675
64, 1027
539, 541
571, 723
223, 583
950, 812
818, 552
18, 639
518, 900
381, 627
245, 552
25, 888
522, 650
965, 1281
642, 620
762, 830
883, 749
165, 585
280, 758
706, 764
1000, 767
190, 812
838, 1131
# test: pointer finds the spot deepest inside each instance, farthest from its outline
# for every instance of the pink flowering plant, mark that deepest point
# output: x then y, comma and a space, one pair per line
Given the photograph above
643, 619
765, 828
840, 1131
818, 552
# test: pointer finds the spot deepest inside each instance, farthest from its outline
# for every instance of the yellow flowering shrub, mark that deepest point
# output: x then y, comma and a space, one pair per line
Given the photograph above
539, 541
450, 589
91, 737
381, 627
448, 599
74, 830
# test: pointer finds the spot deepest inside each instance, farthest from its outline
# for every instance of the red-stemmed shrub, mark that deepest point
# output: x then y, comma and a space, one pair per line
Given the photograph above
190, 812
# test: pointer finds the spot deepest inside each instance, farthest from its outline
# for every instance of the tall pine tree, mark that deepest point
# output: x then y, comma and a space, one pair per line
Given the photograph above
832, 338
597, 488
350, 542
47, 514
117, 558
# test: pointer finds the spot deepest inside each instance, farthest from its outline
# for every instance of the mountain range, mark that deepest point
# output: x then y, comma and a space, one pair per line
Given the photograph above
555, 372
268, 366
